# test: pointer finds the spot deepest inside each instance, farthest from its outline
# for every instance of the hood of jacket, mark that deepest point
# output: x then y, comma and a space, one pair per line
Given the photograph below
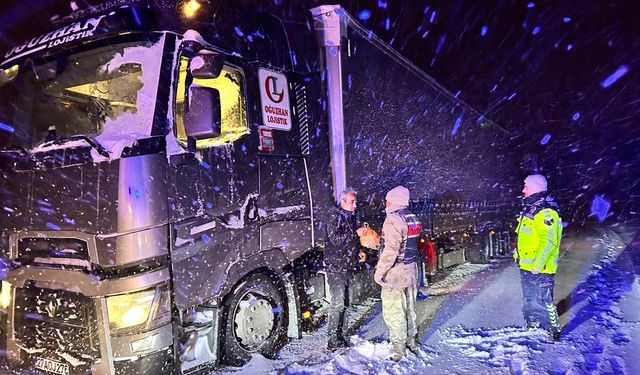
393, 208
539, 201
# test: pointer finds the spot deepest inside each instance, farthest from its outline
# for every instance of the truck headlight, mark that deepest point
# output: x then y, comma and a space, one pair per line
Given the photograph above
139, 311
5, 295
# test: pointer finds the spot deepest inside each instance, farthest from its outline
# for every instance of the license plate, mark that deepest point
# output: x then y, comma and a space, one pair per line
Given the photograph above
51, 366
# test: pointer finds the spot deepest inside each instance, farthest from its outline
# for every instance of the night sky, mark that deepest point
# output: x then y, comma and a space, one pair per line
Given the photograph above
560, 76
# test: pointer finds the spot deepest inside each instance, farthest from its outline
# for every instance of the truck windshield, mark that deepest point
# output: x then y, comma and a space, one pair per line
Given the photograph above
96, 92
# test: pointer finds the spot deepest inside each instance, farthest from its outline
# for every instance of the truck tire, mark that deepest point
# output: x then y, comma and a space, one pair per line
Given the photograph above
254, 320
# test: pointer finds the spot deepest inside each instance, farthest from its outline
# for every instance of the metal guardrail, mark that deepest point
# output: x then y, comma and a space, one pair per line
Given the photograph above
451, 258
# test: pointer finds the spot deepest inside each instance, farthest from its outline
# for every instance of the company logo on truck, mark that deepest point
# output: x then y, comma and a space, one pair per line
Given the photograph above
271, 88
274, 95
75, 31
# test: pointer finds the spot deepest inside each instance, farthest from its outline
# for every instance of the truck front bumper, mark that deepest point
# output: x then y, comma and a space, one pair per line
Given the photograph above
60, 327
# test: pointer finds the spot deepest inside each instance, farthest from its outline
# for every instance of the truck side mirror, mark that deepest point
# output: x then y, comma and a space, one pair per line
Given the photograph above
206, 64
202, 118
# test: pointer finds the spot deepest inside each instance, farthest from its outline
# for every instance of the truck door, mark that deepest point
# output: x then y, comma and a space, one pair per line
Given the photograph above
213, 189
284, 201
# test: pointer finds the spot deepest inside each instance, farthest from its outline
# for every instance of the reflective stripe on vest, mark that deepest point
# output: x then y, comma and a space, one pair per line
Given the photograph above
409, 252
414, 228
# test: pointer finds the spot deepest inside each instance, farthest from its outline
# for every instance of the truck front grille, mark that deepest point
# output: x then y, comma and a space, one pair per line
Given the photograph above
64, 252
56, 321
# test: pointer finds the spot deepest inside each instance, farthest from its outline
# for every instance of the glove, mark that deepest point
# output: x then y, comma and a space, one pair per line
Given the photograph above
379, 279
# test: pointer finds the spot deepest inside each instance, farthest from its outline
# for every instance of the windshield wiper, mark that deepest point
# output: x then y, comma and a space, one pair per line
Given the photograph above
92, 142
15, 148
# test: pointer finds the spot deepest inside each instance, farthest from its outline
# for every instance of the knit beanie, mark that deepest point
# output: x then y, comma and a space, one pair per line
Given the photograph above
398, 195
536, 183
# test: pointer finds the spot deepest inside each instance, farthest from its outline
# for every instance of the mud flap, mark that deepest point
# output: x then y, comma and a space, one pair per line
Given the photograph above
202, 349
293, 308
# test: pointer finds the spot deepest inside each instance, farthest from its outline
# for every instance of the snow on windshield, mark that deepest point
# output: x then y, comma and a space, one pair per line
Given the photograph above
122, 131
106, 92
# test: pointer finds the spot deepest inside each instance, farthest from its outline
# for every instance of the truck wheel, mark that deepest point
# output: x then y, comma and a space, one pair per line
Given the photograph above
254, 321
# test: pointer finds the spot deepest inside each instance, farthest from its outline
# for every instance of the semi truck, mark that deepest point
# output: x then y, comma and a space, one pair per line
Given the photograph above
167, 173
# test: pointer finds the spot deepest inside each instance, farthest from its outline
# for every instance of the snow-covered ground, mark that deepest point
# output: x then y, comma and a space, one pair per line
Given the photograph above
477, 327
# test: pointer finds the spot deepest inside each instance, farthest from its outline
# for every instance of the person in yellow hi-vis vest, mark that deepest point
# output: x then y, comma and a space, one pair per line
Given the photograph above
538, 233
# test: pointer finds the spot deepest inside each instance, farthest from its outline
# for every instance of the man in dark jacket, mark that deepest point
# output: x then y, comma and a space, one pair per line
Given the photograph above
341, 257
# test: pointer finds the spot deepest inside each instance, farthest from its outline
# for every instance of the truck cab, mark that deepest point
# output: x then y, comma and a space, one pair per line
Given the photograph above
157, 211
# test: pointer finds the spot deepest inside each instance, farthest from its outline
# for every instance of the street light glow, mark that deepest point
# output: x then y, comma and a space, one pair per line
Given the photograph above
190, 8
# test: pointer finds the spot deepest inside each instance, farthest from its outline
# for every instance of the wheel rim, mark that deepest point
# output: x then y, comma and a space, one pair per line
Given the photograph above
254, 320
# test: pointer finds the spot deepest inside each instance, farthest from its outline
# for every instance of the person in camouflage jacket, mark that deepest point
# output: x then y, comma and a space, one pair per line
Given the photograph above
396, 271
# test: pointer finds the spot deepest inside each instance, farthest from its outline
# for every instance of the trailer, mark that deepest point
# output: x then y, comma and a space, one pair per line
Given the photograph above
397, 125
166, 178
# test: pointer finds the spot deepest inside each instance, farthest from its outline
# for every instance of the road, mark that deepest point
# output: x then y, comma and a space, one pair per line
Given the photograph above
477, 328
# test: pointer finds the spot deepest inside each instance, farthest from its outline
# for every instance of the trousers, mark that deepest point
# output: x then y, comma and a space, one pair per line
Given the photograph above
537, 300
337, 324
399, 314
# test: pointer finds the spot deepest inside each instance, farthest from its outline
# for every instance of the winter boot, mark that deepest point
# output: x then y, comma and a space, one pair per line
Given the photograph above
345, 341
398, 352
412, 345
554, 336
335, 343
532, 326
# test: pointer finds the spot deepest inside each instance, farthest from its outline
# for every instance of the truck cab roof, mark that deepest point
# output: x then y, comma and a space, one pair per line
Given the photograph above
248, 32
